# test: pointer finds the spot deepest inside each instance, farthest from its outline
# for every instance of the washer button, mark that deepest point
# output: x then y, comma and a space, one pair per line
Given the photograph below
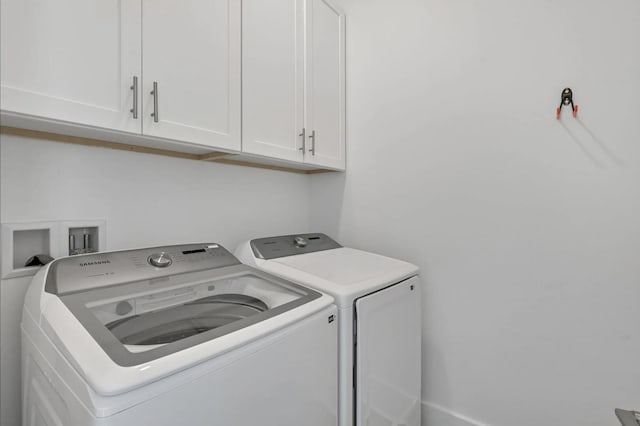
159, 260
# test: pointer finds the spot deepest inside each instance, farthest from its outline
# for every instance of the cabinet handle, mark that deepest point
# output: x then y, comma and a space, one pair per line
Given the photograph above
304, 137
313, 142
134, 87
154, 92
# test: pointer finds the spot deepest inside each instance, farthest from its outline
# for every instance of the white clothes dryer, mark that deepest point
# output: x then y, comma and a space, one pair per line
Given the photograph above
379, 316
177, 335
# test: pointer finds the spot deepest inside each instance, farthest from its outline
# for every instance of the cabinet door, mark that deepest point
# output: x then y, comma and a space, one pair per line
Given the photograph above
325, 85
71, 60
388, 356
272, 78
191, 50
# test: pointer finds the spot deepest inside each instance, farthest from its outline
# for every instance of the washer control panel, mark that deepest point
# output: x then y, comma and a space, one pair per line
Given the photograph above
85, 272
291, 245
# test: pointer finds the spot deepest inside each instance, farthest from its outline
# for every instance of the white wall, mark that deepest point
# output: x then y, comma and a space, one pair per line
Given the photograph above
527, 229
145, 199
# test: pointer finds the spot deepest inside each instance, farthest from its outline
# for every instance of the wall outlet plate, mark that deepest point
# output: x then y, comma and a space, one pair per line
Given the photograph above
20, 241
95, 229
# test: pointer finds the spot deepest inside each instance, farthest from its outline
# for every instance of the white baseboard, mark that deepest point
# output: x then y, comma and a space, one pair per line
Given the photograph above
436, 415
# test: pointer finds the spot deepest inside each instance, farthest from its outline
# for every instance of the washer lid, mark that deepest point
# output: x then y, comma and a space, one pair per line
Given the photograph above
344, 273
140, 321
144, 304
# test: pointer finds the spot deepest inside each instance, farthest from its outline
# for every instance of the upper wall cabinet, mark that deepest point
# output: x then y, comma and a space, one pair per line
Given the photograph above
191, 65
81, 61
71, 60
325, 85
272, 78
262, 80
294, 81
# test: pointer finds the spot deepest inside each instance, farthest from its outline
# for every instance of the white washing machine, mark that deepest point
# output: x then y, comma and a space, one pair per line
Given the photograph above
379, 316
178, 335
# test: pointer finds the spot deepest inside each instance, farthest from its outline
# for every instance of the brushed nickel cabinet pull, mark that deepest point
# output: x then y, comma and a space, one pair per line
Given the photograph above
134, 87
313, 142
154, 92
304, 137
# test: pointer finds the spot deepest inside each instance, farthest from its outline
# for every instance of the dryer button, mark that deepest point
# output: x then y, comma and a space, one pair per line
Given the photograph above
300, 242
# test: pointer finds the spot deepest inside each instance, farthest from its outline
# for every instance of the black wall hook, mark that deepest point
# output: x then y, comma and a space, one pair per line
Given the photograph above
566, 98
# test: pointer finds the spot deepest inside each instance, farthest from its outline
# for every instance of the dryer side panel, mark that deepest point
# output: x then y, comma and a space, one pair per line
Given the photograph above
388, 356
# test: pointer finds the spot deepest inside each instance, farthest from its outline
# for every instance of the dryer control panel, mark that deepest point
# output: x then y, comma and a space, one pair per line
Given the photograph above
290, 245
85, 272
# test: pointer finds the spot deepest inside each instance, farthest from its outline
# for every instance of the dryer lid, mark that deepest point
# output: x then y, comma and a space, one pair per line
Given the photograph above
344, 273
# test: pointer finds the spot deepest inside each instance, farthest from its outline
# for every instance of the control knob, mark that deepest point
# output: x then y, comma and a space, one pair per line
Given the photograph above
160, 260
300, 242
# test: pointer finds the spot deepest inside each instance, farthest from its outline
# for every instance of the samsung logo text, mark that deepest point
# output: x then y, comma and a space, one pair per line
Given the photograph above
95, 262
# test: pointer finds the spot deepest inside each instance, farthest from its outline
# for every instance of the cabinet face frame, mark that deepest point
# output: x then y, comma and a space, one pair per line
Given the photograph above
80, 70
327, 152
191, 81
